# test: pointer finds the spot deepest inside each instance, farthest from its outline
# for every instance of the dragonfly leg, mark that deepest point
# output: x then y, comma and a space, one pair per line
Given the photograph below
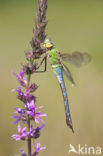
45, 61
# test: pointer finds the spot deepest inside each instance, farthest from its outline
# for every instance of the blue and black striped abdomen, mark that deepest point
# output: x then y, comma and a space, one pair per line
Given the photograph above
59, 75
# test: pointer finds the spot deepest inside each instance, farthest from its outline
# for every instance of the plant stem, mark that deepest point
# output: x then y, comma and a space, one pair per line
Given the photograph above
28, 81
28, 121
29, 140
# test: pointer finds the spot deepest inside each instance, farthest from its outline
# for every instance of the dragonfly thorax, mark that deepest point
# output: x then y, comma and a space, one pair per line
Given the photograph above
53, 56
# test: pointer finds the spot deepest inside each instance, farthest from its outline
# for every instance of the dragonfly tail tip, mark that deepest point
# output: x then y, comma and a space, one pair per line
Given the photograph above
70, 125
72, 130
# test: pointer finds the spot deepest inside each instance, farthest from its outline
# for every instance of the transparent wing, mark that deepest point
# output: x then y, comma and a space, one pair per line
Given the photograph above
76, 58
67, 72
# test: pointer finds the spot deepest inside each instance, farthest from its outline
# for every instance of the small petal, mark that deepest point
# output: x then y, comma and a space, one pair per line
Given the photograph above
23, 153
41, 115
16, 137
37, 149
36, 121
16, 121
23, 130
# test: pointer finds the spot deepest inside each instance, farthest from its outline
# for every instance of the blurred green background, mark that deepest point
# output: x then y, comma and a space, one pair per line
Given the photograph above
73, 25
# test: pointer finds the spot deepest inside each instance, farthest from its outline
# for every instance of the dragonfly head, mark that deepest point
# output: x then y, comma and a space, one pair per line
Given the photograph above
48, 44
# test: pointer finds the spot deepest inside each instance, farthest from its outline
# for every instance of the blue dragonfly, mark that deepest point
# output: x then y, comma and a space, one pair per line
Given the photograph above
59, 68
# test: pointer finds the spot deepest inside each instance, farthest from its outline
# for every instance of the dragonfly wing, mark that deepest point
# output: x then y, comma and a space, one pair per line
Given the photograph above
76, 58
67, 72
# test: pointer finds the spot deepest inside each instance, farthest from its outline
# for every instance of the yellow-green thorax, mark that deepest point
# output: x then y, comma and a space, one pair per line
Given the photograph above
53, 56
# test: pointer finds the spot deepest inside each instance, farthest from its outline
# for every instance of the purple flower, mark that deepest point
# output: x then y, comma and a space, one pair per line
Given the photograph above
29, 56
22, 115
33, 87
28, 69
22, 134
37, 149
32, 112
24, 96
21, 78
31, 106
35, 133
23, 153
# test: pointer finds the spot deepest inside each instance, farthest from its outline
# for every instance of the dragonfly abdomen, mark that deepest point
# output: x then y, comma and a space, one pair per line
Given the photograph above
59, 75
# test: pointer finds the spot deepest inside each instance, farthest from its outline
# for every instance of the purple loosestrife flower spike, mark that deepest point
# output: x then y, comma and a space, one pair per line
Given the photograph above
39, 29
29, 114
